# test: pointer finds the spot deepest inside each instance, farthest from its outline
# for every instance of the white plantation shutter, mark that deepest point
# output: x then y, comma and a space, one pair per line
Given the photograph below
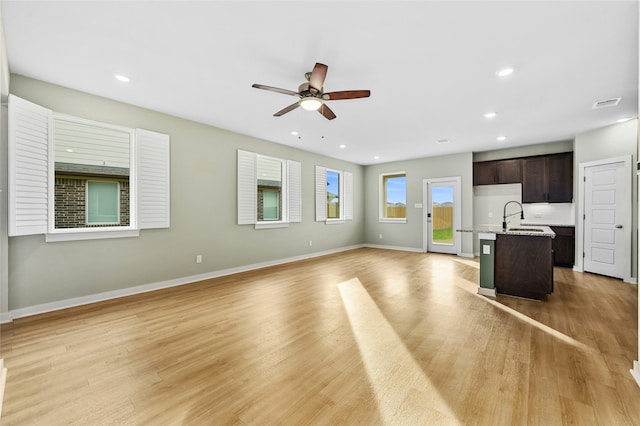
153, 169
295, 190
348, 196
321, 194
28, 161
247, 188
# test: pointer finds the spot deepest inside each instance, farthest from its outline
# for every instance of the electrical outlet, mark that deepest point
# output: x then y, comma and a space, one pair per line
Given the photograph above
490, 214
310, 243
199, 258
380, 236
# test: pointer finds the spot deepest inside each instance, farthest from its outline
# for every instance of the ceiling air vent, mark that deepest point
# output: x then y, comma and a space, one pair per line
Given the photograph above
606, 103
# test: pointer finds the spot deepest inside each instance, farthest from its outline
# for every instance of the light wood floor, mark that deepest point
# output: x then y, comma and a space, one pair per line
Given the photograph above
364, 337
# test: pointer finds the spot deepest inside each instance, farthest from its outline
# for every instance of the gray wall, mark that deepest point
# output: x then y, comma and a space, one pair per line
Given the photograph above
409, 235
612, 141
203, 212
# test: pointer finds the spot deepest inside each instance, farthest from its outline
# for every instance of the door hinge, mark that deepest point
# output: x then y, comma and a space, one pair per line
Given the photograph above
583, 255
584, 216
584, 178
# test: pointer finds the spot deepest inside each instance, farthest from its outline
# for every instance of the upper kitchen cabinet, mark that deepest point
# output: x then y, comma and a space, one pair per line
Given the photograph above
548, 178
497, 172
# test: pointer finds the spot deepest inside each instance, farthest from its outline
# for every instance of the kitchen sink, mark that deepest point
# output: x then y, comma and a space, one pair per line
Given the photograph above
525, 229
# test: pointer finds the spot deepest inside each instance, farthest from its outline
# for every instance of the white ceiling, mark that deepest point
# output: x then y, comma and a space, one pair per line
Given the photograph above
430, 67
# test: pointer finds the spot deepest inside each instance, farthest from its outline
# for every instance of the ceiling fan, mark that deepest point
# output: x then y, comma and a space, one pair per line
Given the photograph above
311, 94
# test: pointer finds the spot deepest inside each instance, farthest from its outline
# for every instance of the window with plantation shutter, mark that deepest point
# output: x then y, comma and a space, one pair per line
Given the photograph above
269, 190
72, 178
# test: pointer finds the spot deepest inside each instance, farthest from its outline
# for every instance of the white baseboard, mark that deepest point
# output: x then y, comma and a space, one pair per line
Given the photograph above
3, 382
380, 246
491, 292
5, 317
635, 371
467, 255
100, 297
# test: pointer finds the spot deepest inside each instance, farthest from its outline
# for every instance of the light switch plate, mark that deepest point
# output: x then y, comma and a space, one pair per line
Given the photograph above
486, 249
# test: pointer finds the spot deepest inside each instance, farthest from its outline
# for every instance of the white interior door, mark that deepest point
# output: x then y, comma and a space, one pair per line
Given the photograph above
607, 226
442, 215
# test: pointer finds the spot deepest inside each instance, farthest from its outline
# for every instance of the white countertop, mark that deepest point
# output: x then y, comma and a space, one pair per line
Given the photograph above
526, 230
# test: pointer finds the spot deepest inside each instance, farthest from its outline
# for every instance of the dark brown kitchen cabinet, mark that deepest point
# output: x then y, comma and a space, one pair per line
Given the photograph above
496, 172
524, 266
548, 178
564, 245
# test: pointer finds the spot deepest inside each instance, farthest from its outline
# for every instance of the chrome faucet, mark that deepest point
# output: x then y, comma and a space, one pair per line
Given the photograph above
505, 215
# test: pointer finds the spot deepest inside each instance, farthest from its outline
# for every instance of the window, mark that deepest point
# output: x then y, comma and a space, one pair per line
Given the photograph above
268, 190
393, 197
334, 195
103, 203
269, 176
83, 153
270, 205
71, 178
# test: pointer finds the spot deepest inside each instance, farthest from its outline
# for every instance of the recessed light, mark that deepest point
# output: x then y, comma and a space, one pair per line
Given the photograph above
122, 78
342, 146
490, 115
501, 138
294, 133
505, 72
376, 157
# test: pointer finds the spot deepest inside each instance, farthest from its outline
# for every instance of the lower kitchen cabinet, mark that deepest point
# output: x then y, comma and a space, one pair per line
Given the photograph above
564, 245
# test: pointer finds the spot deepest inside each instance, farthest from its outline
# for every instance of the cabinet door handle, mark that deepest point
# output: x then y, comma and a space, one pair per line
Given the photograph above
618, 226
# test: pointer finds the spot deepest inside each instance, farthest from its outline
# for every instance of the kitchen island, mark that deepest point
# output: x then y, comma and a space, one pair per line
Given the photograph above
517, 261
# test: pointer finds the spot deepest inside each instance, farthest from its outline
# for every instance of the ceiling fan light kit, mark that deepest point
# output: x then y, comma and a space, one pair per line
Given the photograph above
311, 94
310, 103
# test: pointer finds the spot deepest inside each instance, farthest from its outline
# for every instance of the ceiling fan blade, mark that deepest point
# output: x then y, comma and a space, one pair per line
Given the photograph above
346, 94
275, 89
317, 76
286, 110
326, 111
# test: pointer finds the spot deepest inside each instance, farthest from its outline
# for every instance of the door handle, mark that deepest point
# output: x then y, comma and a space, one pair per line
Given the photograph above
618, 226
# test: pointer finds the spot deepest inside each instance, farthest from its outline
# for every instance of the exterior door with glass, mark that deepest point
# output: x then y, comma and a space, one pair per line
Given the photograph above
442, 215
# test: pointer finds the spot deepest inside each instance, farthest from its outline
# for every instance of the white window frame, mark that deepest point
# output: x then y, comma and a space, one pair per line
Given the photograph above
32, 176
345, 195
382, 199
290, 191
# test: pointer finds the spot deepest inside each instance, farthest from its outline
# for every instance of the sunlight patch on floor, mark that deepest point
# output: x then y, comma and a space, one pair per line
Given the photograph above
404, 394
473, 288
468, 262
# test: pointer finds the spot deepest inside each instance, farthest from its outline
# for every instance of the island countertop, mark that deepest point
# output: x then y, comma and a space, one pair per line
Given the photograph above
526, 230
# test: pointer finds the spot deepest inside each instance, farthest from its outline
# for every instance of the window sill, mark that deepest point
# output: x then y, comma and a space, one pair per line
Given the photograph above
398, 220
90, 235
334, 221
267, 225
